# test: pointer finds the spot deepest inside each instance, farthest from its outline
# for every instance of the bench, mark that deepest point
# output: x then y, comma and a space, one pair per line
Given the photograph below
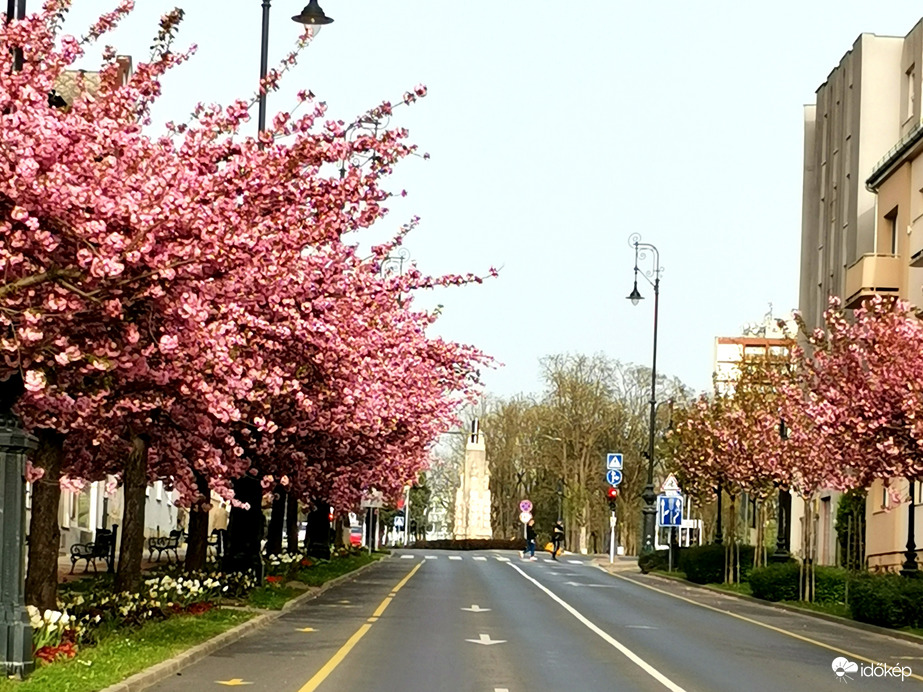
164, 544
216, 541
103, 548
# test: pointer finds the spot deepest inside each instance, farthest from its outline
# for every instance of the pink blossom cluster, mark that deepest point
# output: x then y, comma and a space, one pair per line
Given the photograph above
195, 290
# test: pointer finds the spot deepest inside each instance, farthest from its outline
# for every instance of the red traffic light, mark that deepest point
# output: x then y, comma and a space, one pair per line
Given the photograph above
612, 493
330, 517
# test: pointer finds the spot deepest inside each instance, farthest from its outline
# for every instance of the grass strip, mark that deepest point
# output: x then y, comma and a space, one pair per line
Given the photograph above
121, 654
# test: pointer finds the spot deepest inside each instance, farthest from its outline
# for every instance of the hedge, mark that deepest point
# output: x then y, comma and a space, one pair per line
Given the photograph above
887, 600
472, 544
704, 564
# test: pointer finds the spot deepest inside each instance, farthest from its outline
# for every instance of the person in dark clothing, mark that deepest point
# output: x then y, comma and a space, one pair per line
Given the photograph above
530, 540
557, 538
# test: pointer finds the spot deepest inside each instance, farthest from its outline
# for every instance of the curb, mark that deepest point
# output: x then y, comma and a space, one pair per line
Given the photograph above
165, 669
875, 629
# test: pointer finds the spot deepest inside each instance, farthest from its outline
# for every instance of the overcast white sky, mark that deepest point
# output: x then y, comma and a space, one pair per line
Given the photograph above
556, 130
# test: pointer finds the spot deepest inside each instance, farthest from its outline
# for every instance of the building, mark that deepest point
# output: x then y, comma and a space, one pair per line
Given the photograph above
862, 232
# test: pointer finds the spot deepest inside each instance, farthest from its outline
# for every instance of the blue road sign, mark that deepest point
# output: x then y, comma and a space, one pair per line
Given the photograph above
614, 461
613, 476
670, 510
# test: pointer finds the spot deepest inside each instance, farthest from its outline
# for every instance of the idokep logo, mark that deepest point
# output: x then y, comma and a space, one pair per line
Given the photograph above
842, 667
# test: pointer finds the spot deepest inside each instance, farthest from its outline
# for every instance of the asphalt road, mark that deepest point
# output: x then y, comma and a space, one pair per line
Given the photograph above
489, 621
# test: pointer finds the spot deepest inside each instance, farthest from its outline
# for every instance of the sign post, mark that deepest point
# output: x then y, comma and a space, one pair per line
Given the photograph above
613, 478
670, 511
612, 537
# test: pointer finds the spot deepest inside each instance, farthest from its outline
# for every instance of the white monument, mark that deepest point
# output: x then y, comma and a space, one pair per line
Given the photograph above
472, 499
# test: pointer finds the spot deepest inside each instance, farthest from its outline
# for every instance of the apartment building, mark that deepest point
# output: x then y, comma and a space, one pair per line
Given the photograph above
862, 232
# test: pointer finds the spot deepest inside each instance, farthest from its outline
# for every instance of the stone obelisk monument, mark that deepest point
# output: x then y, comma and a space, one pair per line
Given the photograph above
472, 499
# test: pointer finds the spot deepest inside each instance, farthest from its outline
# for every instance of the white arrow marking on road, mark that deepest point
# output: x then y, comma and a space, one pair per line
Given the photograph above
476, 609
486, 640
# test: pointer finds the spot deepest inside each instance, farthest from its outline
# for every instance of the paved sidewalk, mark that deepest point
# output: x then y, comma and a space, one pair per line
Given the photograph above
82, 569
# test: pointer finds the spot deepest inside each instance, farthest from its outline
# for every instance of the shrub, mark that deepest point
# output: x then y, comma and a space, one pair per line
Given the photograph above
472, 544
704, 564
830, 584
658, 559
777, 582
887, 600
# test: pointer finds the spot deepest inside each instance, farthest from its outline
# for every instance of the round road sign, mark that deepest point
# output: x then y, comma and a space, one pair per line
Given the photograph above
525, 506
524, 517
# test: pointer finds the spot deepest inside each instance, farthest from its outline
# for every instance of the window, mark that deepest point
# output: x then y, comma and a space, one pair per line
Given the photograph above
909, 86
890, 238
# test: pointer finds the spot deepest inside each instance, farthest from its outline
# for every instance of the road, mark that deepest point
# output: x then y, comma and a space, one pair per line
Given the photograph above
489, 621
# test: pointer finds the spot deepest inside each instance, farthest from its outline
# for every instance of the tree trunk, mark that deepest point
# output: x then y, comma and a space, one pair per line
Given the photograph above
276, 521
245, 529
197, 541
291, 524
44, 532
317, 537
134, 484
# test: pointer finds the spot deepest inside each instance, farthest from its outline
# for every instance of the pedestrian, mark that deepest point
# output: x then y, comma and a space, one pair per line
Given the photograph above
557, 538
530, 540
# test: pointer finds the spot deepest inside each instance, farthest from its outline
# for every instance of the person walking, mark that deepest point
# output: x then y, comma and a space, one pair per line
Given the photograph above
557, 538
530, 540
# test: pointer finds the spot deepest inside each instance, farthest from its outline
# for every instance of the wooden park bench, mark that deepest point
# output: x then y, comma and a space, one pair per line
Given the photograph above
165, 544
103, 548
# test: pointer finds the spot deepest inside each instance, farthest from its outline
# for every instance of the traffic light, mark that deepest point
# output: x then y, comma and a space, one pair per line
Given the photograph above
330, 516
611, 495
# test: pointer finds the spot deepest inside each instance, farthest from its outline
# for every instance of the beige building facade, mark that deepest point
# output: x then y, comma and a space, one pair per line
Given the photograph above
862, 218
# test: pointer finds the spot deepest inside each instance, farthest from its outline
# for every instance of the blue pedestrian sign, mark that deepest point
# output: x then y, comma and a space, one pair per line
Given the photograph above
670, 510
613, 477
614, 461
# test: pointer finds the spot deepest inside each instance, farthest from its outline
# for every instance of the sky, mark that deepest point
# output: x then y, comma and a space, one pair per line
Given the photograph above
555, 131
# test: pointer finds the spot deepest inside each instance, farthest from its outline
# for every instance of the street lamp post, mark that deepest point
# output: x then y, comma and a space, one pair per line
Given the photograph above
312, 15
648, 512
910, 567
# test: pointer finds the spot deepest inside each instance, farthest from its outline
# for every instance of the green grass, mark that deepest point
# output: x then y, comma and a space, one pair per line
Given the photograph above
122, 654
838, 609
271, 597
741, 588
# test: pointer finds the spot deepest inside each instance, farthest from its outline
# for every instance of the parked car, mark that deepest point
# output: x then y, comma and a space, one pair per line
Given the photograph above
355, 535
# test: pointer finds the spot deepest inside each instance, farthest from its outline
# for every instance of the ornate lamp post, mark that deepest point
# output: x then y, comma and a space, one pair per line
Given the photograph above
784, 520
910, 568
648, 512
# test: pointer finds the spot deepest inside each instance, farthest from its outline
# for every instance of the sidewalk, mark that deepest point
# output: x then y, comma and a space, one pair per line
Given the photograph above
82, 569
713, 597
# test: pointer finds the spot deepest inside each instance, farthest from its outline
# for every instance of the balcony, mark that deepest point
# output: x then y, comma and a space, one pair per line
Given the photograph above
871, 274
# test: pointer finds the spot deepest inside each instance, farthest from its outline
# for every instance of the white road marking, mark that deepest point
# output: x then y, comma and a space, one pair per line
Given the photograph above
431, 557
475, 608
503, 559
455, 557
479, 557
575, 562
407, 557
486, 640
501, 689
595, 586
548, 560
631, 655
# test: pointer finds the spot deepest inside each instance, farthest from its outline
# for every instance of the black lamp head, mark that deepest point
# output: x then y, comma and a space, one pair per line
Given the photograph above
312, 15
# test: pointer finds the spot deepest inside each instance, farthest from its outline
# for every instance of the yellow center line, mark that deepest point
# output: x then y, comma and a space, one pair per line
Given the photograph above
338, 657
808, 640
